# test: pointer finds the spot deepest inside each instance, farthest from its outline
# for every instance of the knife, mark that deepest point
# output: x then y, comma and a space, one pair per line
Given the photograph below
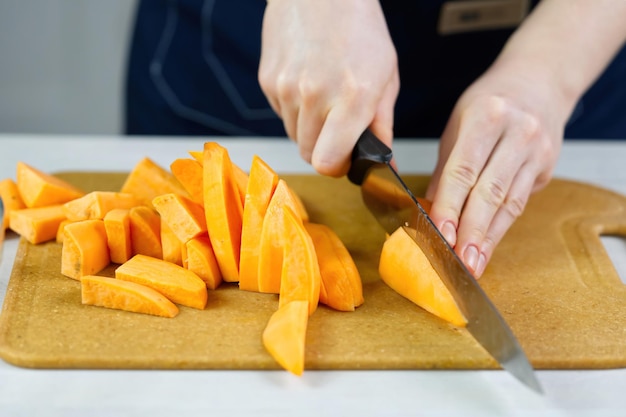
398, 207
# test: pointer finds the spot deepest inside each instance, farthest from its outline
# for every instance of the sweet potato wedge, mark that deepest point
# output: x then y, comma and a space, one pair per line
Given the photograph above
284, 336
239, 175
201, 260
300, 274
38, 224
272, 238
185, 218
125, 295
170, 244
145, 231
341, 286
223, 208
85, 250
178, 284
117, 227
406, 269
148, 180
39, 189
262, 182
96, 204
189, 173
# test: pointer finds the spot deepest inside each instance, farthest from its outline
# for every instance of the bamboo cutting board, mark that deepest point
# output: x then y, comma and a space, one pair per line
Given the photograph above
550, 277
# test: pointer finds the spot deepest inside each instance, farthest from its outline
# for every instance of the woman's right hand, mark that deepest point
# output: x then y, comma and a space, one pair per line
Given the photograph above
329, 70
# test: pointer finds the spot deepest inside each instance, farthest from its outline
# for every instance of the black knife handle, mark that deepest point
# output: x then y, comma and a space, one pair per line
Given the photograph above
368, 151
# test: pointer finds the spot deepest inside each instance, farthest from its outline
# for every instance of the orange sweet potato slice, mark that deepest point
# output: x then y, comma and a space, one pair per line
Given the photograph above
239, 175
185, 218
272, 239
61, 230
172, 246
176, 283
302, 211
85, 250
300, 275
39, 189
125, 295
342, 288
148, 180
145, 231
39, 224
117, 227
11, 199
189, 173
261, 185
96, 204
223, 208
407, 270
284, 336
201, 260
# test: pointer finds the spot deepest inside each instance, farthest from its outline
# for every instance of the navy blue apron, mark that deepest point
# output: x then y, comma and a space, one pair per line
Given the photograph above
192, 70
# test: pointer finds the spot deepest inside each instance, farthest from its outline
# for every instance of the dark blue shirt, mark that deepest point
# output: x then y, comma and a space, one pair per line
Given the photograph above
192, 70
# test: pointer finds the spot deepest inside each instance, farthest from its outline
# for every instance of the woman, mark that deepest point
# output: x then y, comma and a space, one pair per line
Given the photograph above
501, 99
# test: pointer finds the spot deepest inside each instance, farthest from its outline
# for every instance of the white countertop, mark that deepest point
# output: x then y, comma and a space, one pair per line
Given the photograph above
32, 392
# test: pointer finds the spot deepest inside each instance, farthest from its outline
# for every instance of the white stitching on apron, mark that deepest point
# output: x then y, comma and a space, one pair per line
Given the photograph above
169, 96
221, 74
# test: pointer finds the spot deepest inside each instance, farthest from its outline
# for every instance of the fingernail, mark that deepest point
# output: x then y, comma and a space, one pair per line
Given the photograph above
470, 256
482, 263
449, 232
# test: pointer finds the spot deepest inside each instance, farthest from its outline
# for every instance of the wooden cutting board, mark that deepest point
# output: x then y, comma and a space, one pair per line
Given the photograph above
550, 277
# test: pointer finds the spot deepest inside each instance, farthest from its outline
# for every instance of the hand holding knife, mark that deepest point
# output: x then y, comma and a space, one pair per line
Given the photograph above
372, 158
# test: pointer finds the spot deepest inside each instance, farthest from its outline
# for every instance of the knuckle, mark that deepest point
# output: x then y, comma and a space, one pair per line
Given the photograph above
284, 85
495, 107
530, 126
309, 89
494, 193
514, 206
463, 175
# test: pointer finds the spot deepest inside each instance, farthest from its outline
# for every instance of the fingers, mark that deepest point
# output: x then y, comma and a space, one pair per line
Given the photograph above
495, 162
480, 129
507, 213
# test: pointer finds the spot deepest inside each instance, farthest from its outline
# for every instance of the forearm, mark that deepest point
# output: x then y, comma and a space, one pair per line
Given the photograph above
567, 43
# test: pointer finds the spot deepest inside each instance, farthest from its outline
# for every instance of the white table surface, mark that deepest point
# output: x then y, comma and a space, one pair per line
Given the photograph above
32, 392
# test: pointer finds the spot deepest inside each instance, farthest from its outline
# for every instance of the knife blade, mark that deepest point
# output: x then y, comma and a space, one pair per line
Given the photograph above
395, 206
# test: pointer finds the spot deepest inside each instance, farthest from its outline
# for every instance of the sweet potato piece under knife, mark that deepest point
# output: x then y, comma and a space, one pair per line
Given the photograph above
39, 224
39, 189
85, 250
341, 286
262, 182
96, 204
223, 208
125, 295
10, 198
176, 283
117, 226
406, 269
284, 336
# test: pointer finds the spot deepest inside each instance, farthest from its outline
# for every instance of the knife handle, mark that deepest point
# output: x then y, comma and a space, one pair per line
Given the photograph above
368, 151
